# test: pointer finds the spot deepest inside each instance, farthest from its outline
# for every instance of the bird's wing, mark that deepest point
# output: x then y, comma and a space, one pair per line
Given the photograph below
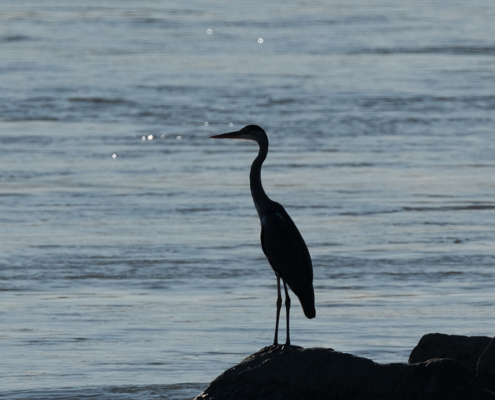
288, 254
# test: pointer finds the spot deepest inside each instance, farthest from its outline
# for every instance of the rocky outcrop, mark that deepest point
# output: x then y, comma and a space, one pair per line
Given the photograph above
295, 373
465, 349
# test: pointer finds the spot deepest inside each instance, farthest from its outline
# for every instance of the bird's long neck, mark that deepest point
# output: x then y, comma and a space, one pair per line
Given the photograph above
261, 200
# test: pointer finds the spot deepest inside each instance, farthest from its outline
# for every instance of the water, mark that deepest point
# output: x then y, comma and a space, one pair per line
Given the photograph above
130, 259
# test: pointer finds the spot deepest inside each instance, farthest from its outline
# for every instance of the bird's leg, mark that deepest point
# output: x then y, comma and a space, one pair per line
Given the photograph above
287, 308
279, 306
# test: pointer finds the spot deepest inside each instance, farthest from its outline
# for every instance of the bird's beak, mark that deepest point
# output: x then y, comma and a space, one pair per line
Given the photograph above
230, 135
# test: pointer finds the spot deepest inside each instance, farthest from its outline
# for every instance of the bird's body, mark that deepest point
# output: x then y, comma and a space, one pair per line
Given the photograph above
281, 241
288, 255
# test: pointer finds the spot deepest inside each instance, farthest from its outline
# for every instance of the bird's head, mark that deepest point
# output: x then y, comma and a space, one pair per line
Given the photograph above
249, 132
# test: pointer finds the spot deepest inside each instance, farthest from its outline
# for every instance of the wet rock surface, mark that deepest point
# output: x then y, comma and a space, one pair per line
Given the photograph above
486, 367
318, 373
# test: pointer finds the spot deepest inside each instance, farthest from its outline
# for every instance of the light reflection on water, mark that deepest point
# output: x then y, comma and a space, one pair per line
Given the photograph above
141, 275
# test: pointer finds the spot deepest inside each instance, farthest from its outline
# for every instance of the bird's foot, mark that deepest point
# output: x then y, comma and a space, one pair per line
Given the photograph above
278, 347
286, 346
271, 349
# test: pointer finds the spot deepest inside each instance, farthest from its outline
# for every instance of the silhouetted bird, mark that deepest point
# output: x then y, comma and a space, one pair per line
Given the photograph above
281, 241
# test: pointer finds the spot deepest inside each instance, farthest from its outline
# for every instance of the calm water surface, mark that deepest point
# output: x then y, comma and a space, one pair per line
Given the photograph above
130, 260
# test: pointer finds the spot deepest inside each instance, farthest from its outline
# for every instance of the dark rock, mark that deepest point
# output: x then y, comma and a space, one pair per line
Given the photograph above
486, 367
465, 349
295, 373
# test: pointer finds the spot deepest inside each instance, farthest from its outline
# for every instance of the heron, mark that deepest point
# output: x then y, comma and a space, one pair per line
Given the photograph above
281, 241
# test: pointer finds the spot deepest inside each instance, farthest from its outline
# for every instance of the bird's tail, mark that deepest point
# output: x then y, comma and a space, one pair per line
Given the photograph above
307, 299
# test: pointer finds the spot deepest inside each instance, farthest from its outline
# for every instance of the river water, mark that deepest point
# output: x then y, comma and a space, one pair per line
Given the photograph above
130, 262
